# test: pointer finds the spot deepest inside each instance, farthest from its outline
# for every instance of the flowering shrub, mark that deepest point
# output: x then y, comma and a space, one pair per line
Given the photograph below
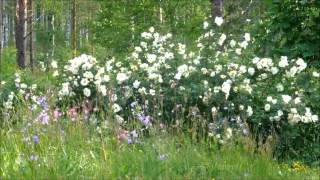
218, 90
229, 83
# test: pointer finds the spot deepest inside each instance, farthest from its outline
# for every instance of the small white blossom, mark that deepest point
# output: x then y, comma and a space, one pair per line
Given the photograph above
152, 92
247, 37
218, 21
55, 73
283, 62
238, 51
136, 84
84, 82
54, 64
116, 108
151, 29
226, 86
222, 39
267, 107
121, 77
233, 43
315, 74
103, 90
251, 71
286, 98
249, 111
279, 87
87, 92
205, 25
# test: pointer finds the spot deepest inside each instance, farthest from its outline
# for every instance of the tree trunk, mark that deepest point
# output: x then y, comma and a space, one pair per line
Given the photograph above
216, 8
1, 36
53, 37
5, 22
74, 29
21, 32
160, 13
30, 25
1, 25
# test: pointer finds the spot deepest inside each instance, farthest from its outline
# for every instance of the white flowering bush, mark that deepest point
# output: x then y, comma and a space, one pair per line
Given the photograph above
218, 89
83, 79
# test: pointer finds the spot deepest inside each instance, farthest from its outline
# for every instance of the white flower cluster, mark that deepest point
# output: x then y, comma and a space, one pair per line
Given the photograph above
84, 76
298, 67
8, 104
54, 66
294, 117
183, 71
81, 63
23, 90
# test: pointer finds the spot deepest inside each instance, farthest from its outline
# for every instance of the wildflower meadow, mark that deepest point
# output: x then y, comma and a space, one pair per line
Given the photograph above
158, 99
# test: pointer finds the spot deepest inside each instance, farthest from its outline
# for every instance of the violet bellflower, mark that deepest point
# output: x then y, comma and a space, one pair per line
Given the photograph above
44, 118
35, 139
146, 120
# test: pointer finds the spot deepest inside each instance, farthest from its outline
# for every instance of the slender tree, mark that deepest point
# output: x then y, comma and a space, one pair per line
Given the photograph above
74, 29
20, 32
160, 13
53, 36
30, 27
1, 32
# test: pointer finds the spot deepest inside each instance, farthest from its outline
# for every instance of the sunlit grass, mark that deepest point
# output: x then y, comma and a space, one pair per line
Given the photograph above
74, 151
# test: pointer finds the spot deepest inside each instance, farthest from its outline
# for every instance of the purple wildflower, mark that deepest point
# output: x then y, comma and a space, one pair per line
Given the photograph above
162, 157
35, 139
43, 102
134, 134
146, 120
130, 141
44, 118
33, 158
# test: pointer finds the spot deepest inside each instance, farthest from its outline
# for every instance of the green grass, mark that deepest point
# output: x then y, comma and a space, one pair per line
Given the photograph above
80, 153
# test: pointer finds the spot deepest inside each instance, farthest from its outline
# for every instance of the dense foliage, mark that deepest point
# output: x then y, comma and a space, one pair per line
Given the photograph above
292, 27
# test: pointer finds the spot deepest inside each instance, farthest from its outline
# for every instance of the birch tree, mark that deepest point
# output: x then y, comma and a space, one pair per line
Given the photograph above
74, 29
1, 32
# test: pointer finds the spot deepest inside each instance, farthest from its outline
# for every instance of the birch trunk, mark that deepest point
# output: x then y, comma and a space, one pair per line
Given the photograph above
74, 29
1, 36
53, 37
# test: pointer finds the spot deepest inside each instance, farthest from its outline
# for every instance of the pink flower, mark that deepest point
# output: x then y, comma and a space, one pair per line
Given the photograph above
123, 135
162, 126
72, 112
56, 114
87, 107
